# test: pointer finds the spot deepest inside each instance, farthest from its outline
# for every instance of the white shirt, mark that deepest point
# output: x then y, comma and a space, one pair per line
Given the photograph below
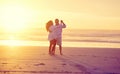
58, 30
51, 34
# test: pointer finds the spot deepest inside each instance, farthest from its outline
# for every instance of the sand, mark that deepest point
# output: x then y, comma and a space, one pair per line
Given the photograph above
36, 60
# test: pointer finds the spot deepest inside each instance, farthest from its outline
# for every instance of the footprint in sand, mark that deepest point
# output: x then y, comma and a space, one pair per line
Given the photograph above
55, 68
94, 56
4, 63
20, 67
39, 64
63, 64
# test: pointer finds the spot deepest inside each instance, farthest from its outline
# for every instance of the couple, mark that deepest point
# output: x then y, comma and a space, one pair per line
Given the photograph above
55, 35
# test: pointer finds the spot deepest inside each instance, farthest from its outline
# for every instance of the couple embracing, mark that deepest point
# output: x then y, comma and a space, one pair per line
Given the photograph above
55, 35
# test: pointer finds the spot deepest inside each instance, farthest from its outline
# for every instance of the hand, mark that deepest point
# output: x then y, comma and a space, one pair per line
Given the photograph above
61, 21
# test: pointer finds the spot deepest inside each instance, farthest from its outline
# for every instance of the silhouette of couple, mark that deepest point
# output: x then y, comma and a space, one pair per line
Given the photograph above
55, 35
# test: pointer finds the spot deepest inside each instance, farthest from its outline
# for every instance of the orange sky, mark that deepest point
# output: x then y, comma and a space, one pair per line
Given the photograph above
81, 14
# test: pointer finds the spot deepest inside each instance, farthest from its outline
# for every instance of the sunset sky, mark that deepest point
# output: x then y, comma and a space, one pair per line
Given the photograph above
82, 14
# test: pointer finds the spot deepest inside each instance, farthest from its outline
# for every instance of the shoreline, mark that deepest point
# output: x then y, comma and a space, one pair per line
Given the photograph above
65, 44
7, 46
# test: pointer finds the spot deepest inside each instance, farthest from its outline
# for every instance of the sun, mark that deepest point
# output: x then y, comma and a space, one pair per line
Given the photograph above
14, 18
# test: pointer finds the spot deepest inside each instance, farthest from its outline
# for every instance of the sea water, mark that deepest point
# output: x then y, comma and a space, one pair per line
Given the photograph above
70, 38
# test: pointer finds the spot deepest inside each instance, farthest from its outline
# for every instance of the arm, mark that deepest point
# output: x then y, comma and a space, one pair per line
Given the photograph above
52, 28
63, 24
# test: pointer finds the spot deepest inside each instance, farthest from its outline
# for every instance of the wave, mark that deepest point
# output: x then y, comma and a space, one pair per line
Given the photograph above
69, 35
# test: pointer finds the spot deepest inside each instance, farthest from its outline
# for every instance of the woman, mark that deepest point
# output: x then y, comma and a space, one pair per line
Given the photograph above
51, 36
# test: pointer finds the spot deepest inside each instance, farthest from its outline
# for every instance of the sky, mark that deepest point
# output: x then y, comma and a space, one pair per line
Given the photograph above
77, 14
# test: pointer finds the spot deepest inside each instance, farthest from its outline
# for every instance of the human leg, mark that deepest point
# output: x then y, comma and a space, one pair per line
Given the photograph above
60, 48
59, 43
50, 47
53, 42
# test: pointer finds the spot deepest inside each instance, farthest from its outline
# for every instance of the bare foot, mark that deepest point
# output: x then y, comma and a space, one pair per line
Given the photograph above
61, 54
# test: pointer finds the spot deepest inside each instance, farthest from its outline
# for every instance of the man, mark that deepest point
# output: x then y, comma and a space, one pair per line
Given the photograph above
58, 32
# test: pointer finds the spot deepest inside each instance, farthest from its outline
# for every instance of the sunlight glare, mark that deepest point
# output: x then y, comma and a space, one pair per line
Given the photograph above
14, 18
12, 41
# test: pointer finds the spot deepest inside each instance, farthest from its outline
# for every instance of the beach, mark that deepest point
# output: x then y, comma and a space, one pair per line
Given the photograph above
90, 39
75, 60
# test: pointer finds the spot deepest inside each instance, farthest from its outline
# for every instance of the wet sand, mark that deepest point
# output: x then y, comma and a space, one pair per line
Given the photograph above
36, 60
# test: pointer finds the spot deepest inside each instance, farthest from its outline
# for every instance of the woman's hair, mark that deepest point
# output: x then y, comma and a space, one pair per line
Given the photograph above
48, 24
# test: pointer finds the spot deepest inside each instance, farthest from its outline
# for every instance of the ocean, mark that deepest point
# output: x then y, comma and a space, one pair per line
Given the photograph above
70, 37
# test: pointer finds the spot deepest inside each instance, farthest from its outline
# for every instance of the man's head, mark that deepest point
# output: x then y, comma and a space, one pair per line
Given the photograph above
56, 22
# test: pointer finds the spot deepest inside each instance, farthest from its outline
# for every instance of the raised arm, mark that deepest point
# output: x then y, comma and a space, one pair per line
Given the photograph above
63, 24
